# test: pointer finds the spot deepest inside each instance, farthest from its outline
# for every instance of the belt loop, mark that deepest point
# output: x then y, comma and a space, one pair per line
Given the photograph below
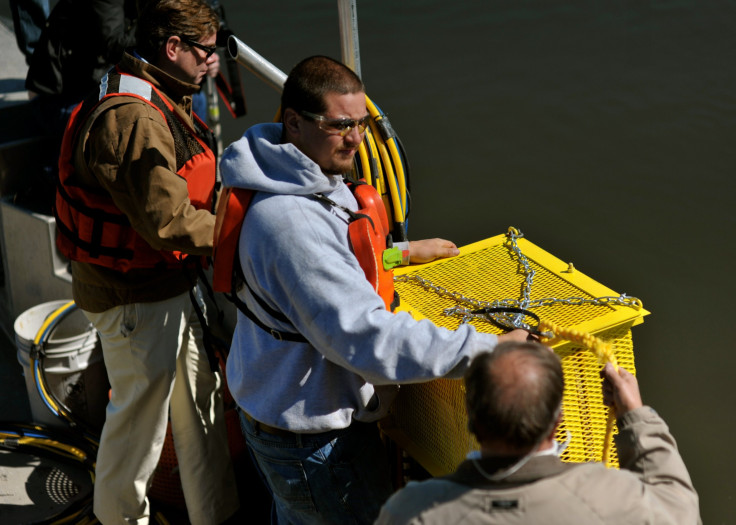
253, 422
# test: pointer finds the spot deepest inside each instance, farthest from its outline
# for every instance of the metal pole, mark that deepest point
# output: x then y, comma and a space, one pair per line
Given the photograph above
213, 112
255, 63
348, 14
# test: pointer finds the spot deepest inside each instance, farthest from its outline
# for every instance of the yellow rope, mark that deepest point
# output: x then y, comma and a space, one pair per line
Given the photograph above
605, 353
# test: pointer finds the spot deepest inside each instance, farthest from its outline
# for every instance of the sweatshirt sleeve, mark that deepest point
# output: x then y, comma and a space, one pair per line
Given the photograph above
131, 151
307, 271
647, 448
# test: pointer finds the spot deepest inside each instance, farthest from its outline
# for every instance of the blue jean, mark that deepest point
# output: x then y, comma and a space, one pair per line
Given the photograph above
338, 477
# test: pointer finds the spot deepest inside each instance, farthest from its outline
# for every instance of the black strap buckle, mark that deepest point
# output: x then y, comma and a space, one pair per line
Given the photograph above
505, 321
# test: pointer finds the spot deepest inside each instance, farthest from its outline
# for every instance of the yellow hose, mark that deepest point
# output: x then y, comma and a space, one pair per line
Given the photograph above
389, 179
378, 181
401, 176
62, 310
392, 165
50, 319
365, 163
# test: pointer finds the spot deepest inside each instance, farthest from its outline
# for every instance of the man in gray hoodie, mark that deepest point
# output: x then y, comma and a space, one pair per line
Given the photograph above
318, 360
514, 398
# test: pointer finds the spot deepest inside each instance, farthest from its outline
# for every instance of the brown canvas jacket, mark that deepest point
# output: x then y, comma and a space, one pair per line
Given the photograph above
126, 149
653, 487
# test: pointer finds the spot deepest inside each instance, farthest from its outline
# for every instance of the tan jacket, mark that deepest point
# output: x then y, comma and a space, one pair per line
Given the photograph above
653, 487
127, 150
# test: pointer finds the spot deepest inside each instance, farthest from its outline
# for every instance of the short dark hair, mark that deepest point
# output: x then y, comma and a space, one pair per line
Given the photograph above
160, 19
513, 394
312, 78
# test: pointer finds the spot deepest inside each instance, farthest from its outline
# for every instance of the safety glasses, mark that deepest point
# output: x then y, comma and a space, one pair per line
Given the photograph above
337, 126
207, 49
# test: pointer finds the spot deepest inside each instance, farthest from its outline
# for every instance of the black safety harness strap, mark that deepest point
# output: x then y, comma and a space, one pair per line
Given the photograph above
238, 275
277, 334
353, 215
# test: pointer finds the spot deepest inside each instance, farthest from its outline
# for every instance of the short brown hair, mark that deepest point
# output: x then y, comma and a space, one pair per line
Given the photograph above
160, 19
514, 393
312, 78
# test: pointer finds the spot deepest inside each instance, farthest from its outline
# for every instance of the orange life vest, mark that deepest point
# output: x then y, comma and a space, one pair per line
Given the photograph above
369, 236
368, 233
91, 227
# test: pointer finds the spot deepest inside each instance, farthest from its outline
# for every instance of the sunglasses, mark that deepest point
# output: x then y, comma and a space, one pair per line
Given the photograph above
207, 49
337, 126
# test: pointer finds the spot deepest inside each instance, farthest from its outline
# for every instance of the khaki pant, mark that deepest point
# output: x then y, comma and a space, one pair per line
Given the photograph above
158, 370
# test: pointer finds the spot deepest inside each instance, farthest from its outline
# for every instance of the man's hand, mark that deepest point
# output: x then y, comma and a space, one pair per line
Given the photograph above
213, 69
518, 336
427, 250
620, 390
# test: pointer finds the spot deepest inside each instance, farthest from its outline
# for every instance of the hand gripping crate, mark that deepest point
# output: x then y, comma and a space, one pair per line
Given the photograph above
428, 420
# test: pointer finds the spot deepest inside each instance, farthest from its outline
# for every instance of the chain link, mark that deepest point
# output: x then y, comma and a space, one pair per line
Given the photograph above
512, 236
466, 305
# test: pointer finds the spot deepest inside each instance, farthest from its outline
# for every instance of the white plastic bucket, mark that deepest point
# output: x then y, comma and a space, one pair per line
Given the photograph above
74, 369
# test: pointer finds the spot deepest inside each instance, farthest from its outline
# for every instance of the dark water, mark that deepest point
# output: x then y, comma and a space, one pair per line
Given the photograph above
606, 131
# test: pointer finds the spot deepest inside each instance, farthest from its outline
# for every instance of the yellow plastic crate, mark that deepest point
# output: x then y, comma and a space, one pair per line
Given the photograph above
428, 420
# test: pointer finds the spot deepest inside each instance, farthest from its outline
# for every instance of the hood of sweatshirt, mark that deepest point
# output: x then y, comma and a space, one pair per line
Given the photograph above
259, 161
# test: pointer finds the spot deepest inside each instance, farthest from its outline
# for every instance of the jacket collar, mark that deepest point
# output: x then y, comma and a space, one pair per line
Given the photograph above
178, 91
536, 468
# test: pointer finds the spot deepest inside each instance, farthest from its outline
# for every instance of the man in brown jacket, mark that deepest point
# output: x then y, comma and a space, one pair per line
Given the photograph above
137, 176
514, 397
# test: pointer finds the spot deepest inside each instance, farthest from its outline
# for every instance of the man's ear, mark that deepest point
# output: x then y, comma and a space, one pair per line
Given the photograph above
171, 48
558, 421
292, 122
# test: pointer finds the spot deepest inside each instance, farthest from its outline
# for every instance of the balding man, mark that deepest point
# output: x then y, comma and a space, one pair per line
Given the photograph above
514, 403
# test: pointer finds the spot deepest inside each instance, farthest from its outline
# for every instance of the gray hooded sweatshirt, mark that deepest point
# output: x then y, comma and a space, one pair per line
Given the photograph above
296, 256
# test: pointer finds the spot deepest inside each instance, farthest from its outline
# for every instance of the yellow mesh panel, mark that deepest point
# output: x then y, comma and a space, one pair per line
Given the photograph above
428, 420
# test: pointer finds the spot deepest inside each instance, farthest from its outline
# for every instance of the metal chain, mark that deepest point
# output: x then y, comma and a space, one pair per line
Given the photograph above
514, 234
467, 304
